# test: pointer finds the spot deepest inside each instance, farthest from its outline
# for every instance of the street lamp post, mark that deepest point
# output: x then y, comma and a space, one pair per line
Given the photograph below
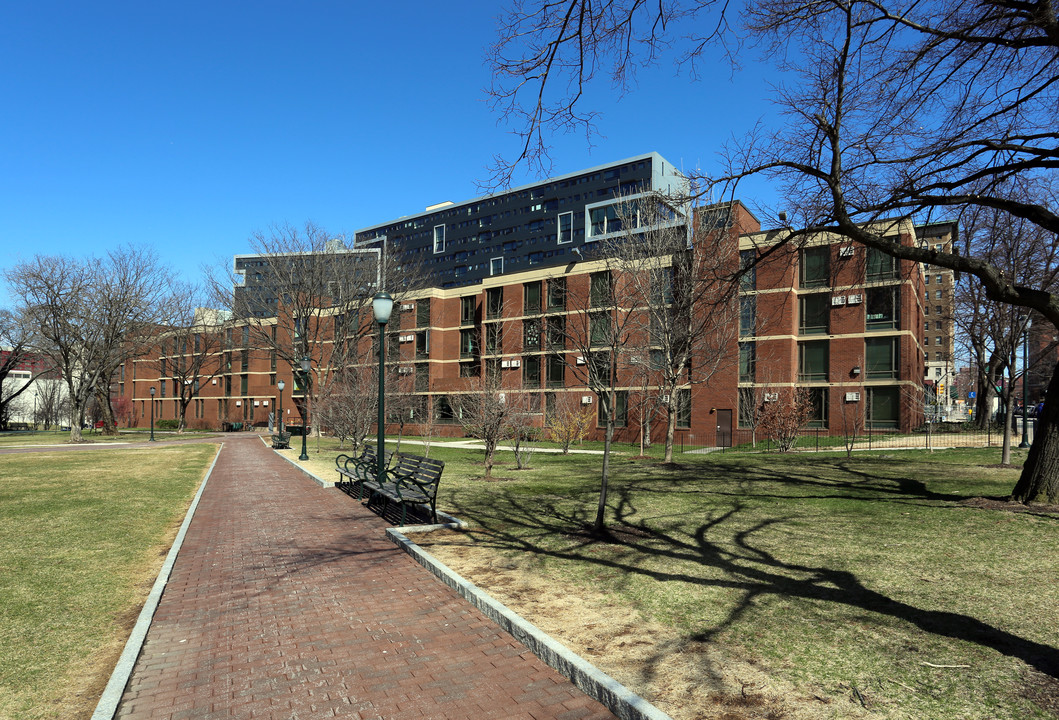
306, 382
1025, 386
281, 385
152, 414
382, 306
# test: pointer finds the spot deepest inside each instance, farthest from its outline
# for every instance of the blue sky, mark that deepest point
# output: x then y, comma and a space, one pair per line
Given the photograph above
188, 126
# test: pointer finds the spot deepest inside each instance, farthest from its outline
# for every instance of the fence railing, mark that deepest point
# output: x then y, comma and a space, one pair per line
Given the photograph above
930, 437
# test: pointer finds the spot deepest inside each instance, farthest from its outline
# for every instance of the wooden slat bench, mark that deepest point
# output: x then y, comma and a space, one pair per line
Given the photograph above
412, 480
281, 441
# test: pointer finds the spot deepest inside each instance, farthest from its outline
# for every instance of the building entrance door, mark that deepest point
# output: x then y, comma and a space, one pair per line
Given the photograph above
724, 428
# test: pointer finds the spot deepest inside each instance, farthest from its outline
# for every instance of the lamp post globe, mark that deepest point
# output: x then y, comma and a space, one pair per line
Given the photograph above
152, 414
381, 306
306, 365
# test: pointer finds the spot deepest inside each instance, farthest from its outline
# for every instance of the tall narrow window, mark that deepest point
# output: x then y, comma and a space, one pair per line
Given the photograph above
531, 334
818, 402
467, 307
748, 280
439, 238
494, 303
531, 298
531, 371
621, 409
556, 369
422, 344
557, 293
493, 339
423, 312
496, 266
747, 314
468, 343
747, 362
600, 328
815, 267
566, 227
883, 407
683, 403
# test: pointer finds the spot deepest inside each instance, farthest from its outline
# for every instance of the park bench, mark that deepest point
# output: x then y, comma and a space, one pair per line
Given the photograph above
281, 441
352, 471
413, 480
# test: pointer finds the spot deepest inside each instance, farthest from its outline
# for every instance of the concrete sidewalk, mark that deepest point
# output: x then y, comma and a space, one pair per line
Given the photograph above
288, 602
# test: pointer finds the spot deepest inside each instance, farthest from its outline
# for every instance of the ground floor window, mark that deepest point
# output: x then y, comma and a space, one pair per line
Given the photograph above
621, 409
818, 401
683, 407
884, 404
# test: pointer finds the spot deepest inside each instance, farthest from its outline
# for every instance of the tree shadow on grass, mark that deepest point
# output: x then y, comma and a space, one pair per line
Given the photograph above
730, 549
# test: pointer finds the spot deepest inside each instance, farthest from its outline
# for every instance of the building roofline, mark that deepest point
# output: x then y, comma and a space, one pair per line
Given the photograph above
450, 205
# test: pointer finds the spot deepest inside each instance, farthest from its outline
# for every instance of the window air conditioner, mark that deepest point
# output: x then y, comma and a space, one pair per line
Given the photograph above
408, 338
404, 371
772, 397
586, 399
838, 299
505, 363
580, 360
408, 307
854, 299
516, 363
665, 398
846, 251
852, 397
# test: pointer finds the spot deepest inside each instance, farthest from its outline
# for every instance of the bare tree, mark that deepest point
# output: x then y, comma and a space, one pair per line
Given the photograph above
676, 264
569, 421
349, 405
782, 418
304, 293
487, 414
90, 316
15, 341
896, 110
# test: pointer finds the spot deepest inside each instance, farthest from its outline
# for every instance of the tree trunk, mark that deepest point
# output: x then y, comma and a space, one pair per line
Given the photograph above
601, 511
1039, 481
1009, 406
671, 430
106, 412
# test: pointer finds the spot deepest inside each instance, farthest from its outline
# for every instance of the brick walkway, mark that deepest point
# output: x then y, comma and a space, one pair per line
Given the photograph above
288, 602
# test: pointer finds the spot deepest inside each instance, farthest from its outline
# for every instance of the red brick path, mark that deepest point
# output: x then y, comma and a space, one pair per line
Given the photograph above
288, 602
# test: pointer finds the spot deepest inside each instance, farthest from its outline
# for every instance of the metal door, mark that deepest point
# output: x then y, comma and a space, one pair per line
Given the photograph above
724, 428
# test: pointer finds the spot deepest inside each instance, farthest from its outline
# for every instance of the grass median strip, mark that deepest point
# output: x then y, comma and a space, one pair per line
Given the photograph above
776, 586
82, 535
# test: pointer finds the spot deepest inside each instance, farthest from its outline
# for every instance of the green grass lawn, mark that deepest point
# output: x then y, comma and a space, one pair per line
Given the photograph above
849, 580
82, 536
58, 437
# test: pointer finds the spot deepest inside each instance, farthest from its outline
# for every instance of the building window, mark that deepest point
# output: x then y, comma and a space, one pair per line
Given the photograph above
244, 381
423, 312
493, 339
470, 369
883, 406
683, 407
556, 333
531, 298
813, 361
880, 357
531, 371
662, 286
422, 377
604, 220
818, 402
496, 266
531, 334
937, 340
815, 267
600, 328
494, 303
938, 357
621, 409
927, 280
748, 280
938, 279
271, 381
557, 293
814, 312
245, 360
422, 344
439, 239
881, 306
467, 307
880, 266
747, 362
600, 292
747, 314
555, 371
468, 343
566, 227
937, 309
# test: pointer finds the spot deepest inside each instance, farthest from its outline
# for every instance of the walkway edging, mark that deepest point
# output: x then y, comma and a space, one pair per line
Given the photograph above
617, 698
108, 702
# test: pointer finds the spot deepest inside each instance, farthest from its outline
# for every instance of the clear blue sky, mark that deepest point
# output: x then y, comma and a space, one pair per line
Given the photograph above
187, 126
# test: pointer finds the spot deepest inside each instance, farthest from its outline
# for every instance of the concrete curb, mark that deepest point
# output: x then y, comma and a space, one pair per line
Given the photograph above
591, 680
108, 702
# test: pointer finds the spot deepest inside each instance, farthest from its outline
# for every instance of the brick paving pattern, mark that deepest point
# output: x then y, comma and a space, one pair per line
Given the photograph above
287, 601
